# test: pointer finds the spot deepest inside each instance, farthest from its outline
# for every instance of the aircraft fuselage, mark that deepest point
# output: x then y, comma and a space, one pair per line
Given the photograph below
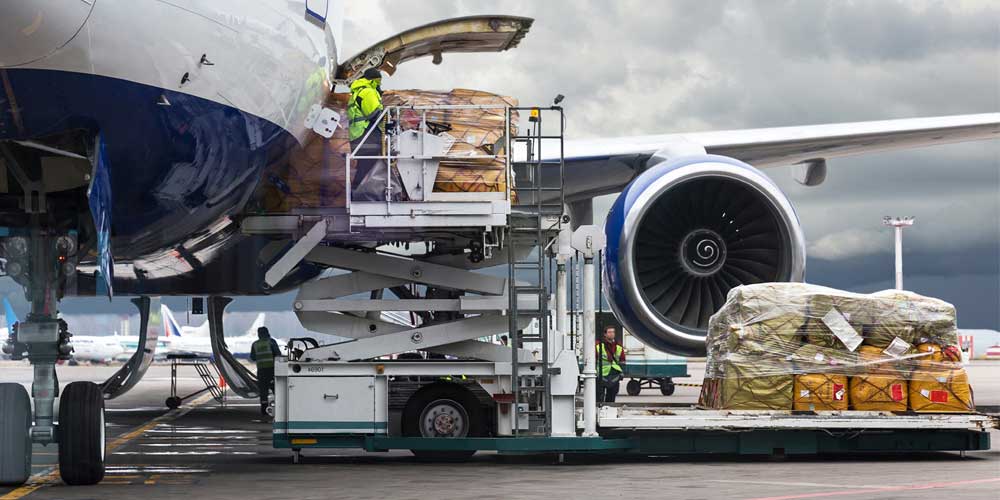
188, 101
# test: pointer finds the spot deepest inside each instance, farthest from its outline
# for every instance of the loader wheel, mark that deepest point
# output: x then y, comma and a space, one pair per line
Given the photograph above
15, 442
81, 434
667, 386
633, 387
443, 411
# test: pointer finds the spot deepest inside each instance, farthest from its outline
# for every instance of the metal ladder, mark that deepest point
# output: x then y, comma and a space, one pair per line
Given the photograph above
218, 393
536, 216
204, 372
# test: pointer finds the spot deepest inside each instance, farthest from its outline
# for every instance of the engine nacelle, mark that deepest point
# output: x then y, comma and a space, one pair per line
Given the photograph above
684, 233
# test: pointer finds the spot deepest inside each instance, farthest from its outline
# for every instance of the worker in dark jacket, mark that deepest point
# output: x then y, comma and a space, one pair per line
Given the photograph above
611, 359
263, 352
363, 111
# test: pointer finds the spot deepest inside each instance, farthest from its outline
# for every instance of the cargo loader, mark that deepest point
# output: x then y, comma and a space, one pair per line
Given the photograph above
440, 386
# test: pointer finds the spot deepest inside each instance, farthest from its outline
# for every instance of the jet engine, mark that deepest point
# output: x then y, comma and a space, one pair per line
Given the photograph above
684, 233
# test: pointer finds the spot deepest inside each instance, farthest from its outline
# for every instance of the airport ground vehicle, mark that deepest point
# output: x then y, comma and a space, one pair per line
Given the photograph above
490, 397
651, 374
648, 368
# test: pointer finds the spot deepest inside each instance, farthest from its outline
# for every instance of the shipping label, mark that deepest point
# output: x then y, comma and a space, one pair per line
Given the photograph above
897, 392
897, 348
939, 396
842, 329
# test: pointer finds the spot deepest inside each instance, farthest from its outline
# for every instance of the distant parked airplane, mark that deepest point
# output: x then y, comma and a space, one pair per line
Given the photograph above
195, 339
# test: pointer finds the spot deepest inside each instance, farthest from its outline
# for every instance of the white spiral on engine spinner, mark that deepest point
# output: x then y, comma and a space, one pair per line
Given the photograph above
707, 253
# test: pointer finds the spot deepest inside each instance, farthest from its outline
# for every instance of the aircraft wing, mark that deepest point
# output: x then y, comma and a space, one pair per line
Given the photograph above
603, 166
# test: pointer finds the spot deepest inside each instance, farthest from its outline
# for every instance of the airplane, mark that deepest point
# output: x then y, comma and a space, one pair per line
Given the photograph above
135, 134
96, 349
195, 339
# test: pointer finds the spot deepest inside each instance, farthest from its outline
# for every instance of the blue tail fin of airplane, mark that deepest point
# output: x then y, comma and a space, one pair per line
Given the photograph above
9, 313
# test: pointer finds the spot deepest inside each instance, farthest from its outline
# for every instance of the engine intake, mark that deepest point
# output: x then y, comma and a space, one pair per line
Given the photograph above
683, 234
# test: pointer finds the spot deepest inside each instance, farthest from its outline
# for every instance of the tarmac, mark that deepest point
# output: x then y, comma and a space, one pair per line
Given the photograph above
224, 451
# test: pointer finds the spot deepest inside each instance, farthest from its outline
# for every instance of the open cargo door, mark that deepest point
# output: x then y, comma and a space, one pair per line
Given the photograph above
463, 34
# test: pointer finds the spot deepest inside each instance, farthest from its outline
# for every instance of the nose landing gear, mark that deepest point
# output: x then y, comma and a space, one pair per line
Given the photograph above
43, 271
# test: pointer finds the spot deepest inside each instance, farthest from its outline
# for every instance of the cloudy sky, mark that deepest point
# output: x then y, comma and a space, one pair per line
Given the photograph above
642, 67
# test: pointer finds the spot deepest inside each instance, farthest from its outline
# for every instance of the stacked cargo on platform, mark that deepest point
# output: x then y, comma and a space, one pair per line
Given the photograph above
313, 176
795, 346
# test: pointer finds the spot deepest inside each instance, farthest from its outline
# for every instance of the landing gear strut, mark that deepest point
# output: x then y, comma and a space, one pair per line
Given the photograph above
43, 262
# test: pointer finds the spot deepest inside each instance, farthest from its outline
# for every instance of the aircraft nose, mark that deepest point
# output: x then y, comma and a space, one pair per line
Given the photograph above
33, 29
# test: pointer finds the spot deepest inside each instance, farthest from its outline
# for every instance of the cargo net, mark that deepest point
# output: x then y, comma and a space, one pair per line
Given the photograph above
313, 176
794, 346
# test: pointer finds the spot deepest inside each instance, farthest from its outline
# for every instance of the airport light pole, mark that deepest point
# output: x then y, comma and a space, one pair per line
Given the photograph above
898, 223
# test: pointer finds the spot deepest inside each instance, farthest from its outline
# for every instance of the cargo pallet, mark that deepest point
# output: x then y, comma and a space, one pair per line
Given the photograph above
658, 430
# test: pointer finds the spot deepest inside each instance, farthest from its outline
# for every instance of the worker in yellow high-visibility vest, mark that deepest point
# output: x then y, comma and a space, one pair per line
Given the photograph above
263, 352
610, 358
363, 111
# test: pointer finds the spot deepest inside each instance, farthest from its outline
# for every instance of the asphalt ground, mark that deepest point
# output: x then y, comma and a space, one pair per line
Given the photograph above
210, 450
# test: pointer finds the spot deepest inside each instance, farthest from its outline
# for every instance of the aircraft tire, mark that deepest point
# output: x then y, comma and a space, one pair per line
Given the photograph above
81, 434
173, 402
15, 440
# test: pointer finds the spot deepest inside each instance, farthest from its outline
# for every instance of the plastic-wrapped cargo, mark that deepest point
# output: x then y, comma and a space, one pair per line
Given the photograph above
746, 386
313, 176
945, 391
820, 391
878, 391
796, 346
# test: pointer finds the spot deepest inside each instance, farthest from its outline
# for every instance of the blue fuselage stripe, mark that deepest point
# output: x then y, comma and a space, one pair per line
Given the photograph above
174, 169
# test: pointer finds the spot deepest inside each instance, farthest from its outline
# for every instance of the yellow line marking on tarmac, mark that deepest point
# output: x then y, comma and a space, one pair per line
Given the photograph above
152, 479
50, 477
795, 483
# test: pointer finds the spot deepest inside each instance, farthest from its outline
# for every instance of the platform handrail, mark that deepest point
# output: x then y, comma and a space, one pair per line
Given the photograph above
390, 120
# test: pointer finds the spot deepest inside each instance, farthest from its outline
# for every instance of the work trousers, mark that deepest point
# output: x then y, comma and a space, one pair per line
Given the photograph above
265, 379
608, 390
371, 147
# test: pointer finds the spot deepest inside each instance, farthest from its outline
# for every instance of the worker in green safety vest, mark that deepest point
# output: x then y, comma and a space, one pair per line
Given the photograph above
610, 358
363, 111
263, 352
